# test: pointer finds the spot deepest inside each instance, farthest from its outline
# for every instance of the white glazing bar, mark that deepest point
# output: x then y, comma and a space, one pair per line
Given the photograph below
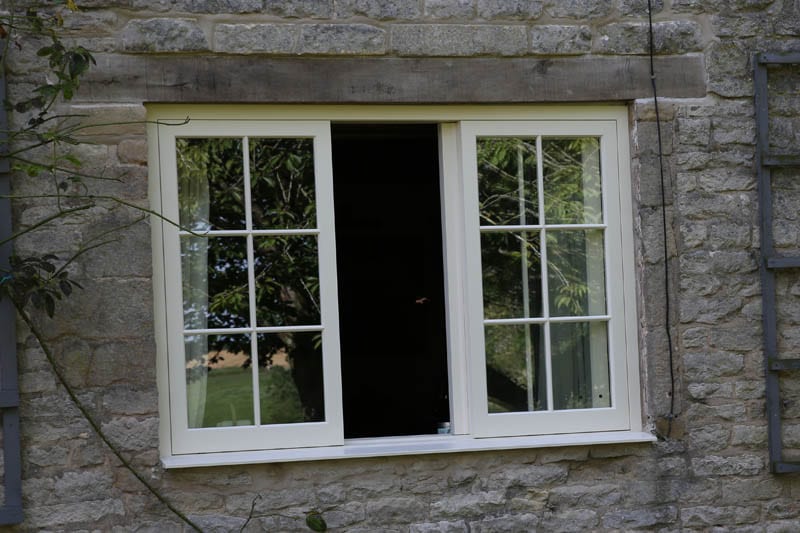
535, 320
254, 232
260, 329
251, 279
526, 297
543, 257
590, 318
536, 227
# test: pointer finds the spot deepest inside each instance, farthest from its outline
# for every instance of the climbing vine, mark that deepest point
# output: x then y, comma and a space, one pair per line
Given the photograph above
40, 145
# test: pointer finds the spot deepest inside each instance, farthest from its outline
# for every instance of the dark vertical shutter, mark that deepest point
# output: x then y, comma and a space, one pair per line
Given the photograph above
11, 508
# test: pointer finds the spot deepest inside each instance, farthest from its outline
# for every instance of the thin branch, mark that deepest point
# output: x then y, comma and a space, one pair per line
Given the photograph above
92, 422
44, 221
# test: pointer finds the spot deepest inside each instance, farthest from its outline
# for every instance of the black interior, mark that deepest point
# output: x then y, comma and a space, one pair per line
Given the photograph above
391, 286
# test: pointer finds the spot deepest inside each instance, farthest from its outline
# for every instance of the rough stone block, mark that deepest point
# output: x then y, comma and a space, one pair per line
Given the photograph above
131, 433
671, 37
458, 40
342, 39
450, 9
707, 515
200, 6
163, 35
552, 39
513, 523
570, 520
737, 465
593, 496
749, 436
66, 514
640, 518
729, 72
132, 151
395, 510
440, 527
467, 506
638, 8
378, 10
579, 9
702, 367
299, 8
255, 38
509, 9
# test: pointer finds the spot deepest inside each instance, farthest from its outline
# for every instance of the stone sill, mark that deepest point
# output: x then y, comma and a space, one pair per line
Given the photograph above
395, 446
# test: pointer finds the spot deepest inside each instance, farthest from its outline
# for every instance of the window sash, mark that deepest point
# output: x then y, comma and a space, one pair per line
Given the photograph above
186, 439
548, 421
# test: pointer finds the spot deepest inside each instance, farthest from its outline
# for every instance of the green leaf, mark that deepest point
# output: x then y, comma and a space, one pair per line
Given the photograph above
315, 522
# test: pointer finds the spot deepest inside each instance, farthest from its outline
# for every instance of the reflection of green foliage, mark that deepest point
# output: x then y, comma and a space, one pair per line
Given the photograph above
280, 400
572, 196
285, 267
210, 183
508, 195
282, 181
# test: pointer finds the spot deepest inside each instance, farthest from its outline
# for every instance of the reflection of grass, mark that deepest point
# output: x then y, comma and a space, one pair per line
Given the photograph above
229, 396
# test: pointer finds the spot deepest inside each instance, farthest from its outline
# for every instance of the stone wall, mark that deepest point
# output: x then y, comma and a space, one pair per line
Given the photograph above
711, 474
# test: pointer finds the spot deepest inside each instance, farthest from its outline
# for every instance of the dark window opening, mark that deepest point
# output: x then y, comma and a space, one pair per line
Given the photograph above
391, 281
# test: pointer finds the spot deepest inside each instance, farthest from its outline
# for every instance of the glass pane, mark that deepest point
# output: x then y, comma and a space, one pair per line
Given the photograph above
572, 192
511, 268
287, 280
214, 274
579, 353
219, 381
576, 273
282, 181
507, 191
210, 184
515, 368
290, 378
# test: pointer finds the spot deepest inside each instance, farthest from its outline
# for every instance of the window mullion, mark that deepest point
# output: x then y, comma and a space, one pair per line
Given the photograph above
543, 266
251, 279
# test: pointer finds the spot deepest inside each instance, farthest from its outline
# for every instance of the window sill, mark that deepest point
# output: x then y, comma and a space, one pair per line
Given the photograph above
390, 446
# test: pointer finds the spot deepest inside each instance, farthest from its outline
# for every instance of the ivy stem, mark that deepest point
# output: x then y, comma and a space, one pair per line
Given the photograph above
92, 422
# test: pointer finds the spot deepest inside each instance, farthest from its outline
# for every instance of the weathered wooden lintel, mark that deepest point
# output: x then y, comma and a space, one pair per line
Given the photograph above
257, 79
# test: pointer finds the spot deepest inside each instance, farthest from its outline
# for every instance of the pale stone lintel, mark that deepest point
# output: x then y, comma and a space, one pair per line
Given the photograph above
392, 446
388, 80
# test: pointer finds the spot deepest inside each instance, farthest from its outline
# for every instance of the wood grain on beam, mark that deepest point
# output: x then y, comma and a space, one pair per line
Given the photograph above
255, 79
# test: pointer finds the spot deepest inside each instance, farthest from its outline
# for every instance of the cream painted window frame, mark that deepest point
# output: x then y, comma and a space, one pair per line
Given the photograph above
471, 427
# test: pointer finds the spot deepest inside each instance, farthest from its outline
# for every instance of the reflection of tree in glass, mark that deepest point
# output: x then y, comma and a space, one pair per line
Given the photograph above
508, 195
571, 169
282, 182
507, 170
211, 191
210, 183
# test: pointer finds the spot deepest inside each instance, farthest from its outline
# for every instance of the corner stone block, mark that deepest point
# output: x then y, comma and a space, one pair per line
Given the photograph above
562, 40
342, 39
163, 35
255, 38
